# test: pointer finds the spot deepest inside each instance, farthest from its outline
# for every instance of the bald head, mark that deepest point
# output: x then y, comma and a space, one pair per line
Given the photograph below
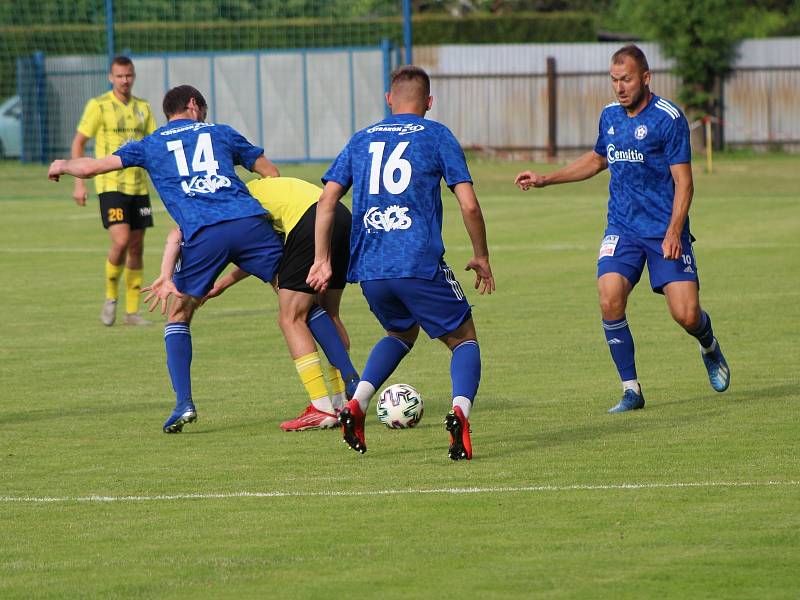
410, 90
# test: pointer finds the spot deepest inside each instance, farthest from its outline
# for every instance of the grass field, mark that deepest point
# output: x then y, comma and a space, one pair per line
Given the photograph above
697, 496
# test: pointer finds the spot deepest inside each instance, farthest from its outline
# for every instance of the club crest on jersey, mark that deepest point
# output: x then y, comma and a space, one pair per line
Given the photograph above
398, 128
641, 132
392, 218
631, 155
206, 184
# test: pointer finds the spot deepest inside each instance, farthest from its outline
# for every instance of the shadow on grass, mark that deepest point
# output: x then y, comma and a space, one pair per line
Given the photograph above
685, 412
36, 415
734, 394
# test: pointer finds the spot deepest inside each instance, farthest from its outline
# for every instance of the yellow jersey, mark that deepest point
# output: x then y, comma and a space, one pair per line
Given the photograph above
113, 124
286, 198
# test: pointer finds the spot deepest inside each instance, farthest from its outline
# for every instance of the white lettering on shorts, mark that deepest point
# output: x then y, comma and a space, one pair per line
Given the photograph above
608, 246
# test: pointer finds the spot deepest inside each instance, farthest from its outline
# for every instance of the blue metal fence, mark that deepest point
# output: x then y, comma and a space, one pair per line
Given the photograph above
258, 92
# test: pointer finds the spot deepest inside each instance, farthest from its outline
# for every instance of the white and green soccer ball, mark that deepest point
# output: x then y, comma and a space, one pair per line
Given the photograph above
400, 406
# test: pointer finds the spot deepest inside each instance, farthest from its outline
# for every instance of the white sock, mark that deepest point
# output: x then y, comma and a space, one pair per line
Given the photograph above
323, 404
464, 404
364, 392
632, 384
711, 348
338, 400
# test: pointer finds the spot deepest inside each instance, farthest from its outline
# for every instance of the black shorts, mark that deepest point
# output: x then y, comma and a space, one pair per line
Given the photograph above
298, 251
116, 207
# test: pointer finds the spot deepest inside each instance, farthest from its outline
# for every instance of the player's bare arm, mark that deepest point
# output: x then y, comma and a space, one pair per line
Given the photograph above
163, 287
684, 190
320, 273
265, 167
476, 229
84, 167
78, 150
586, 166
223, 283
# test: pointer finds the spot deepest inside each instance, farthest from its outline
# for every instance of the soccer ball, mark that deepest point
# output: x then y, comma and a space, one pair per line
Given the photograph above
400, 406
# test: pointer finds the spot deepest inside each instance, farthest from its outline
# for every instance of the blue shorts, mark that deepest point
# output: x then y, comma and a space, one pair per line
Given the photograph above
627, 254
437, 304
250, 243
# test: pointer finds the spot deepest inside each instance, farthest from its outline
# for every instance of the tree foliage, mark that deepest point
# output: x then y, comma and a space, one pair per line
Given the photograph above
701, 36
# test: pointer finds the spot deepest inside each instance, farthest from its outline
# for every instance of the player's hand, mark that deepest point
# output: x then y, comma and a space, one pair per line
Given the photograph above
484, 280
159, 293
527, 179
56, 169
671, 246
79, 192
319, 275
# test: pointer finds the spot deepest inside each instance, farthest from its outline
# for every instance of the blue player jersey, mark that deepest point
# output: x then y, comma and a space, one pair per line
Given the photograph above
639, 151
191, 165
395, 168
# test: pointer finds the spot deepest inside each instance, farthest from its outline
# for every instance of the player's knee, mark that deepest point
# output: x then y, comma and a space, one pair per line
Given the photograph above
612, 308
409, 337
119, 244
687, 317
288, 319
135, 247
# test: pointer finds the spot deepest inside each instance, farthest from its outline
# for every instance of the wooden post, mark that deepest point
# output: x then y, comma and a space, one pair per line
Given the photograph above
552, 110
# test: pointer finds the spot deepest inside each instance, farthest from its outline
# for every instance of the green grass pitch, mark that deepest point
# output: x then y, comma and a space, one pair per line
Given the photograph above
696, 496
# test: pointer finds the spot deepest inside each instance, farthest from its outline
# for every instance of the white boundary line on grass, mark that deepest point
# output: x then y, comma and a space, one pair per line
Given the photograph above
411, 491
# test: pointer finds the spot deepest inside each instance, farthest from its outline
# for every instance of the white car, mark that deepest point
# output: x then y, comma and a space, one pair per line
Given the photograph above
10, 116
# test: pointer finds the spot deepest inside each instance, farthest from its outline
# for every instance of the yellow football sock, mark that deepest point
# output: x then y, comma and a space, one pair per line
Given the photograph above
310, 371
133, 287
338, 397
112, 279
335, 377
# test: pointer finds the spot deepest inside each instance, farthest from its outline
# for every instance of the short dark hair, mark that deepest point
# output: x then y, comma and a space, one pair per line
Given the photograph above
122, 61
633, 51
411, 73
177, 99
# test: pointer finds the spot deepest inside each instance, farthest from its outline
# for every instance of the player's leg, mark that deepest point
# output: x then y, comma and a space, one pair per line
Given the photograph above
440, 307
119, 236
680, 284
297, 260
117, 223
178, 343
465, 373
619, 267
342, 374
133, 279
683, 300
203, 258
294, 310
140, 218
613, 291
300, 319
384, 358
401, 333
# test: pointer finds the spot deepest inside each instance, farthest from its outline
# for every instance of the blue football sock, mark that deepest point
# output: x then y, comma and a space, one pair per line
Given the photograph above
465, 369
324, 331
620, 342
383, 360
704, 333
178, 341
